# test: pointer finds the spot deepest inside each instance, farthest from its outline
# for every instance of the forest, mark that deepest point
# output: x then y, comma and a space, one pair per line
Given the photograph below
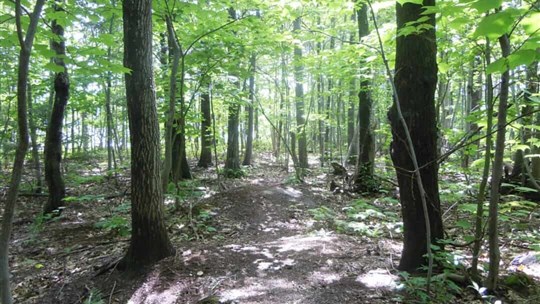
248, 151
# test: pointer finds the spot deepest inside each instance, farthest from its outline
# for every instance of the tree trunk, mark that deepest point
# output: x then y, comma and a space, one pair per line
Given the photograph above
232, 161
149, 240
366, 146
415, 82
249, 109
205, 159
53, 138
299, 93
22, 143
496, 174
33, 138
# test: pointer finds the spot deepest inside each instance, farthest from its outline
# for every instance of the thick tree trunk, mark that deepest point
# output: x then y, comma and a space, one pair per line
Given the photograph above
205, 159
53, 138
249, 109
415, 82
149, 240
22, 143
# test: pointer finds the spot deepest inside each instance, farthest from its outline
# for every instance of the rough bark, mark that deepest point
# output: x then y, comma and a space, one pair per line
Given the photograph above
26, 44
149, 240
300, 104
53, 138
250, 111
415, 82
205, 159
366, 144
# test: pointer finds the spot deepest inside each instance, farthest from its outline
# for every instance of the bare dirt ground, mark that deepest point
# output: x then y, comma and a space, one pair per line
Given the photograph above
263, 247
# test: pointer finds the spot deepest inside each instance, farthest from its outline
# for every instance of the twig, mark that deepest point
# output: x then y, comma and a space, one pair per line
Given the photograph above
112, 292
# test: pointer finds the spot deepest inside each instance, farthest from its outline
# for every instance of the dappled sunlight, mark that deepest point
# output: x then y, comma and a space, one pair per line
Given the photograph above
302, 242
152, 292
324, 277
256, 287
378, 279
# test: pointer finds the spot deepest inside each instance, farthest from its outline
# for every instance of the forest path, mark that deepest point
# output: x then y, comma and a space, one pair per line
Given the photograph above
271, 252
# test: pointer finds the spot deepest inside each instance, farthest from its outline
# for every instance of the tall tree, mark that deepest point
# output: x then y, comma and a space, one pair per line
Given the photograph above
415, 82
300, 104
366, 144
149, 240
53, 138
26, 43
33, 140
250, 111
205, 159
232, 161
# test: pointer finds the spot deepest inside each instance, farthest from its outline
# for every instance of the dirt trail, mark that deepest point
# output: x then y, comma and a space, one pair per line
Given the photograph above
271, 253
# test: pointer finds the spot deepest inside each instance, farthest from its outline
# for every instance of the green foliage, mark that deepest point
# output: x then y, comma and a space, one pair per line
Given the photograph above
94, 297
116, 224
233, 173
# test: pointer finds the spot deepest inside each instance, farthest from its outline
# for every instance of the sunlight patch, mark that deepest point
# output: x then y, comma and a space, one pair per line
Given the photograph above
301, 243
256, 288
378, 279
150, 293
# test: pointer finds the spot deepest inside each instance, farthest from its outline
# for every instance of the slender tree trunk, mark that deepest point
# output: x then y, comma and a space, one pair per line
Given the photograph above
205, 159
299, 94
175, 53
366, 145
415, 82
496, 174
479, 218
33, 138
250, 111
53, 138
22, 143
149, 240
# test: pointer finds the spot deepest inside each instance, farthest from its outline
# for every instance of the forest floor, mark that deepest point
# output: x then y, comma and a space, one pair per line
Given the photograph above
258, 239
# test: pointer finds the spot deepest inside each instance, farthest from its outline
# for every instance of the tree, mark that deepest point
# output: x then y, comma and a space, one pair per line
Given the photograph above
365, 161
53, 138
232, 161
415, 81
205, 159
299, 94
25, 43
250, 113
149, 240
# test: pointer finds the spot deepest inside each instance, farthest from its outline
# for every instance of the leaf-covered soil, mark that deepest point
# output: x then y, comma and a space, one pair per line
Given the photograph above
251, 240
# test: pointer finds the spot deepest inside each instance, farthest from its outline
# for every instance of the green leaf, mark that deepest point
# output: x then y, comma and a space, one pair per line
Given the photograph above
483, 6
498, 66
54, 67
495, 25
521, 57
531, 23
443, 67
464, 224
402, 2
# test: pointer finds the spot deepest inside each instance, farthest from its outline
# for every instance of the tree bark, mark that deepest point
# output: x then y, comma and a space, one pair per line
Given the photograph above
149, 240
205, 160
33, 138
366, 145
496, 174
415, 82
249, 109
300, 105
22, 143
53, 138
